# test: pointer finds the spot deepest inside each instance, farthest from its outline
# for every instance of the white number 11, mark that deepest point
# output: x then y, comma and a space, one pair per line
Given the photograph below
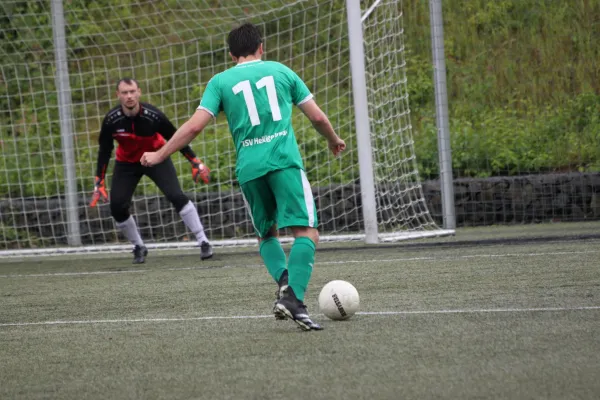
246, 89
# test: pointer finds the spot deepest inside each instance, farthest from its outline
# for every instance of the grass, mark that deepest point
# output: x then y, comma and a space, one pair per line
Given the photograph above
449, 320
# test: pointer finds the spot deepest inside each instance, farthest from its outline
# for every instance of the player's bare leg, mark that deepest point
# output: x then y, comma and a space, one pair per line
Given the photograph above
300, 265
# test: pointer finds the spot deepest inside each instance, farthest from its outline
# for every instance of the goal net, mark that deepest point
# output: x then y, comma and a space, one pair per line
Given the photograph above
173, 48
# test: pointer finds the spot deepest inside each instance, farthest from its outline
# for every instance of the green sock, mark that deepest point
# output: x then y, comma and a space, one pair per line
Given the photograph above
273, 256
300, 265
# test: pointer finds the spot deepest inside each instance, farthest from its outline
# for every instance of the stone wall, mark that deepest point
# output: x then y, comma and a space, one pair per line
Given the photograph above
521, 199
501, 200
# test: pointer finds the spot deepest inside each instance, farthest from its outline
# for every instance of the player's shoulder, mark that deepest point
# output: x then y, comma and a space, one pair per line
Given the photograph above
114, 115
152, 112
218, 80
150, 109
279, 69
215, 80
276, 65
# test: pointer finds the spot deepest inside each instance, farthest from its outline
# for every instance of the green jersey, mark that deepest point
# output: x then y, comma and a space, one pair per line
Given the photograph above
257, 98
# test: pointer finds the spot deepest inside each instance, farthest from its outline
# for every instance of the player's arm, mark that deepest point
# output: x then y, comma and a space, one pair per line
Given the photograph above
199, 169
322, 124
209, 108
302, 97
182, 137
167, 130
106, 145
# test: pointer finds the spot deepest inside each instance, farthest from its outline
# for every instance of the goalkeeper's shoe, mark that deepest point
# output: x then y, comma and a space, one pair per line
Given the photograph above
206, 251
281, 286
99, 192
200, 171
139, 254
290, 307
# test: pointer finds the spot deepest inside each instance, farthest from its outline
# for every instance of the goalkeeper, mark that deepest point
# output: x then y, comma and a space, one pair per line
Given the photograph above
257, 97
139, 127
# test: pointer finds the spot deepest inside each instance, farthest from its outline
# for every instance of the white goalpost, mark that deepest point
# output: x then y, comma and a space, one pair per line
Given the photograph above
59, 65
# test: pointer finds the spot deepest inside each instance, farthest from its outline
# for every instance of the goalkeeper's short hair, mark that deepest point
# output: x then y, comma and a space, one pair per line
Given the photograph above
128, 81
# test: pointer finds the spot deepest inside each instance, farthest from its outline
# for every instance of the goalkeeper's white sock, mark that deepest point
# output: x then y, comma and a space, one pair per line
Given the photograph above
191, 219
130, 230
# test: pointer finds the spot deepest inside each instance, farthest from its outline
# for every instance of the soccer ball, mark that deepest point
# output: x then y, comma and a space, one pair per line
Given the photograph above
338, 300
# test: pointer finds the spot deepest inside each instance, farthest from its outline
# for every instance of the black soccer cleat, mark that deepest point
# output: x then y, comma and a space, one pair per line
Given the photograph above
290, 307
206, 251
281, 286
139, 254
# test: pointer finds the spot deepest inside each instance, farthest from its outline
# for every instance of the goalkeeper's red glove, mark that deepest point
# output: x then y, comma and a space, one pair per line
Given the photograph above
199, 171
99, 192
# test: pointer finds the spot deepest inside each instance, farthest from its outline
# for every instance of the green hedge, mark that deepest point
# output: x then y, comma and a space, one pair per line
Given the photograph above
504, 141
523, 85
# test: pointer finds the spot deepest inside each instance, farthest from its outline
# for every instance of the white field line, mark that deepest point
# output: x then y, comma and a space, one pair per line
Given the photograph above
445, 258
129, 271
246, 317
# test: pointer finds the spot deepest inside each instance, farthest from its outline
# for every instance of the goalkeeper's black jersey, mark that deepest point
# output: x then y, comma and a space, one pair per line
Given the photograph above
147, 131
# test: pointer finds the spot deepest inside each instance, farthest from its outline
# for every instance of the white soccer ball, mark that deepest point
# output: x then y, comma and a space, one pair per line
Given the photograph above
338, 300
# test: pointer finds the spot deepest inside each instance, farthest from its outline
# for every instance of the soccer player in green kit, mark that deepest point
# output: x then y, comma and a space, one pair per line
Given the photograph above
257, 98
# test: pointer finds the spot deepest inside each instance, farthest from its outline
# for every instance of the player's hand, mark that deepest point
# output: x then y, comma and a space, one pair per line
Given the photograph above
99, 192
151, 159
336, 145
200, 171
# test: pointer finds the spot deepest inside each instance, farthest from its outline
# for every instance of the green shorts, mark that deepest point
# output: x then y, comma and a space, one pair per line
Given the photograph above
282, 197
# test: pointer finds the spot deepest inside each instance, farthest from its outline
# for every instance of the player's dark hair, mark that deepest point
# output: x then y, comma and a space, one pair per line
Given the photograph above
244, 40
128, 81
